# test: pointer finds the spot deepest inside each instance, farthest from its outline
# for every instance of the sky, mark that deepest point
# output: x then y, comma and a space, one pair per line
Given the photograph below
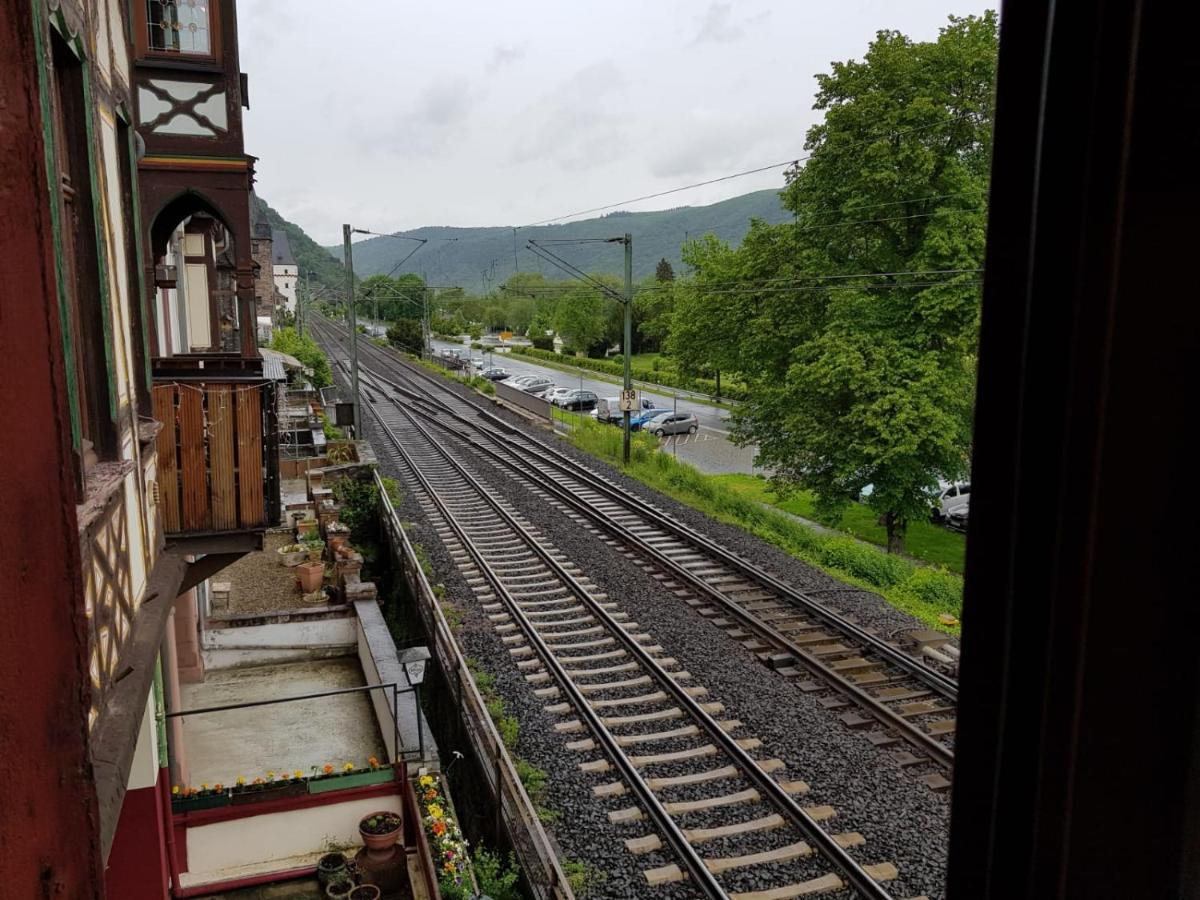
392, 114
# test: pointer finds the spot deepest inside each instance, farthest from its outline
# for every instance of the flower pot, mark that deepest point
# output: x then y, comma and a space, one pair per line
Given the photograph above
337, 540
380, 845
339, 889
291, 558
365, 892
312, 574
306, 528
331, 868
261, 792
315, 554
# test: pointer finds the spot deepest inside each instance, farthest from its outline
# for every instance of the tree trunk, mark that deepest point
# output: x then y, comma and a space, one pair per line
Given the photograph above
718, 384
896, 526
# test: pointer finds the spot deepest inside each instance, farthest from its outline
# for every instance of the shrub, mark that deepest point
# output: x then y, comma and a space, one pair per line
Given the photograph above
497, 876
866, 562
541, 342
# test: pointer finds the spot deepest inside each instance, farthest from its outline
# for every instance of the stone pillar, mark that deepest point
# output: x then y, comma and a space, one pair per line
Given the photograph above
186, 617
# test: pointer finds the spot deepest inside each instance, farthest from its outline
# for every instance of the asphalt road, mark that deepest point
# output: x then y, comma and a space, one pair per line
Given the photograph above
708, 450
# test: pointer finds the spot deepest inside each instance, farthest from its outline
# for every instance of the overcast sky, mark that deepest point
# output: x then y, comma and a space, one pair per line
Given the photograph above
392, 114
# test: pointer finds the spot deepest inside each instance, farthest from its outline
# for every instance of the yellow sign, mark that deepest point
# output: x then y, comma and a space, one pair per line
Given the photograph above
505, 335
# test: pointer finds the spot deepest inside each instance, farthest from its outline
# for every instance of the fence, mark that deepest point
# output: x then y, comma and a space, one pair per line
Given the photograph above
516, 811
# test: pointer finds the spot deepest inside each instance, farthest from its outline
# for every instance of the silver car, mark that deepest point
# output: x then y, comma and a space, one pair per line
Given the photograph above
672, 423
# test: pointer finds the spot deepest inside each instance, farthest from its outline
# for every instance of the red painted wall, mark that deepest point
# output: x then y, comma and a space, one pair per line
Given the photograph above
137, 863
49, 829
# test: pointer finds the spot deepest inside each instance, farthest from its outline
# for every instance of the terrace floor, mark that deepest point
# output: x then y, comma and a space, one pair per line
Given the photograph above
282, 737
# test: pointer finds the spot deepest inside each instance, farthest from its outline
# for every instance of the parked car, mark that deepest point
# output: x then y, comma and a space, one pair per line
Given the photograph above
672, 423
638, 420
957, 519
952, 497
531, 384
478, 363
494, 373
576, 399
554, 393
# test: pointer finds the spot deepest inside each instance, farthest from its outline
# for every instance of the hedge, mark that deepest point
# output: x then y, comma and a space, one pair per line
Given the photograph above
665, 377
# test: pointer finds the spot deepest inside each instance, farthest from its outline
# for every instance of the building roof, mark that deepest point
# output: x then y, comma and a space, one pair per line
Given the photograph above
281, 250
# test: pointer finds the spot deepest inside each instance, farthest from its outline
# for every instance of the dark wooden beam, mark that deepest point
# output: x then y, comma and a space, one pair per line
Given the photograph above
1078, 743
206, 567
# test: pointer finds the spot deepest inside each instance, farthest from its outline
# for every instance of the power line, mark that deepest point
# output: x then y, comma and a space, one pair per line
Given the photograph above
754, 171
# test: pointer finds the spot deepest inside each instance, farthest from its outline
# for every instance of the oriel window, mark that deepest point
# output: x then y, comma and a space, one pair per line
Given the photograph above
179, 26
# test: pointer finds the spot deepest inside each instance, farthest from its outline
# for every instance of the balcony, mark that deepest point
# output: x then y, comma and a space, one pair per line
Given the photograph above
217, 453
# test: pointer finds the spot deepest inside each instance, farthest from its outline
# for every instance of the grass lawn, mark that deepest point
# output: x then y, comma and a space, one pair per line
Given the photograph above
924, 540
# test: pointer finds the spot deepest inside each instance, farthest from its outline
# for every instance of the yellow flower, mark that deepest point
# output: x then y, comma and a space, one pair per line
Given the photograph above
435, 811
204, 785
426, 780
241, 779
270, 776
297, 774
348, 767
175, 791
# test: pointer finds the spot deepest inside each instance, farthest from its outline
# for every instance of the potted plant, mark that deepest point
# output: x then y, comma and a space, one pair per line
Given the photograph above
291, 555
314, 549
379, 832
330, 868
312, 575
339, 889
184, 799
365, 892
306, 528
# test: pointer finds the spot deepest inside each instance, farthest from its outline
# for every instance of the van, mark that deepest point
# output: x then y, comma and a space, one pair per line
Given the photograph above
951, 499
608, 409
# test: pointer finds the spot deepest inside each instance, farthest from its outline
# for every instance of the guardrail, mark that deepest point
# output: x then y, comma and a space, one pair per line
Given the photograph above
516, 812
517, 397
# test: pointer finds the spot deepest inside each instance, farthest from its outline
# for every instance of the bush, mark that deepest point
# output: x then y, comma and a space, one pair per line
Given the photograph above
541, 342
497, 876
866, 562
305, 349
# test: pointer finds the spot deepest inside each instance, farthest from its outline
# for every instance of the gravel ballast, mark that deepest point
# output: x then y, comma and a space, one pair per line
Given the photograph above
903, 821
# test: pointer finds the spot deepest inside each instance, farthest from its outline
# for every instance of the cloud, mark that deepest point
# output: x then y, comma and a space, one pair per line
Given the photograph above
718, 26
444, 103
504, 55
581, 120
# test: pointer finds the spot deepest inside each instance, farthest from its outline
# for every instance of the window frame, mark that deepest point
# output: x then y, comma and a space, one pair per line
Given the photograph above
145, 51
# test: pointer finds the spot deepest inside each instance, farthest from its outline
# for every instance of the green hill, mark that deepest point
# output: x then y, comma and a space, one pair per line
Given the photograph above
310, 256
481, 258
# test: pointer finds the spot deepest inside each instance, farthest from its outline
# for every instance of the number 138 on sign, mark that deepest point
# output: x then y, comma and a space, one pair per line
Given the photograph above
629, 400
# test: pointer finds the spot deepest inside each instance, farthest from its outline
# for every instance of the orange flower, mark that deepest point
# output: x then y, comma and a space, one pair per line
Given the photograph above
328, 769
431, 794
218, 787
439, 828
372, 762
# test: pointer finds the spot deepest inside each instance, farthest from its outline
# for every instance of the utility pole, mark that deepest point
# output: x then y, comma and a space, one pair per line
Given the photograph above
627, 341
307, 298
353, 321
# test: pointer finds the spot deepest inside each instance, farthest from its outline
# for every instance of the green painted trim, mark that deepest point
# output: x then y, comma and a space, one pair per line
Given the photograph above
98, 223
58, 21
160, 714
136, 203
64, 314
342, 782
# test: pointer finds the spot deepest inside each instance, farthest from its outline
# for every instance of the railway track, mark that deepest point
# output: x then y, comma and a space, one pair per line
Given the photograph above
700, 800
892, 697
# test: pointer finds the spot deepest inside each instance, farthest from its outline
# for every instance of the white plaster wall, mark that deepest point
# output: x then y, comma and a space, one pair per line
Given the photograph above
318, 633
143, 773
287, 275
381, 701
214, 849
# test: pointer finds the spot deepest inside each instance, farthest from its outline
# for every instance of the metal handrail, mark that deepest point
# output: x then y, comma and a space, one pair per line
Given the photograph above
397, 690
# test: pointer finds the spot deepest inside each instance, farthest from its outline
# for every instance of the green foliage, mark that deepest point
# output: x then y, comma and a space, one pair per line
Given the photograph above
392, 487
663, 271
406, 334
583, 877
305, 349
360, 507
496, 875
863, 380
327, 270
542, 342
451, 891
663, 373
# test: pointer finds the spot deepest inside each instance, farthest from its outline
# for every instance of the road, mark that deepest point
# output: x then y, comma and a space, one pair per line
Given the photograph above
709, 450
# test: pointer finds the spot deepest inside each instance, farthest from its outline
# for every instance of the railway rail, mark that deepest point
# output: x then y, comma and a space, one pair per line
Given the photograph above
893, 697
629, 710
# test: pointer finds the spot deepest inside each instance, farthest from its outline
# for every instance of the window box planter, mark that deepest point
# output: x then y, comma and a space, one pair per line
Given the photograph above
260, 792
352, 780
209, 801
291, 555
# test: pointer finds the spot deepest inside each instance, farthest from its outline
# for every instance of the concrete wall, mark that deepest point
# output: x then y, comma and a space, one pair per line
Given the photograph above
257, 645
271, 842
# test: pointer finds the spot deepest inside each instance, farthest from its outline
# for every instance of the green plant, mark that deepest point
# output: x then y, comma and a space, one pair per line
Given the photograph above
360, 505
392, 487
452, 614
496, 875
582, 876
452, 891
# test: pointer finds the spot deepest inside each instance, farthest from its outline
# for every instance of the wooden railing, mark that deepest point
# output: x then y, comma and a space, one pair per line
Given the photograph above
216, 463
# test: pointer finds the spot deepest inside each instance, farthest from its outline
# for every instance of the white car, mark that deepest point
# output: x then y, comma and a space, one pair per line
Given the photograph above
952, 499
556, 394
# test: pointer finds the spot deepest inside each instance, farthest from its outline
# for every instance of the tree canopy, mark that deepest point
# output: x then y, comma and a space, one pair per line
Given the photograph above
857, 323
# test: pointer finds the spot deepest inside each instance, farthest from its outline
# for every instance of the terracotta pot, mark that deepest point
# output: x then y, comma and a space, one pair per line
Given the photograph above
337, 540
331, 868
312, 575
365, 892
379, 844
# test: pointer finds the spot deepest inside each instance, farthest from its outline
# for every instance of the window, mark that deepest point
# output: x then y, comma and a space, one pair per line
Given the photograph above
185, 28
80, 263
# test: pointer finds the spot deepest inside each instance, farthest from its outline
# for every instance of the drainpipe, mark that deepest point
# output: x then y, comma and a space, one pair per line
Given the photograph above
164, 774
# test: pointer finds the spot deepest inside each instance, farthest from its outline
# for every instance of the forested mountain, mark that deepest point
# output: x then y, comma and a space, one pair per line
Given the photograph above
310, 256
480, 259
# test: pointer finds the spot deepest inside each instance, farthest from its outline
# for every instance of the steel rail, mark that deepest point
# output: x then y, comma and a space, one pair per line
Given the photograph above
884, 714
854, 873
945, 686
